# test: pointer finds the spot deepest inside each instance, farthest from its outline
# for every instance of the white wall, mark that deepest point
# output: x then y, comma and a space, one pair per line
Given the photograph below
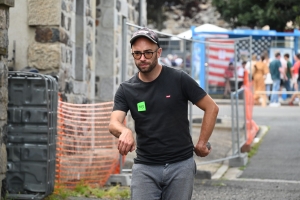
20, 32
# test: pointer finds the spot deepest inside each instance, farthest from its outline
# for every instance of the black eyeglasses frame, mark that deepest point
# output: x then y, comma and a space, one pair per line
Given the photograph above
145, 53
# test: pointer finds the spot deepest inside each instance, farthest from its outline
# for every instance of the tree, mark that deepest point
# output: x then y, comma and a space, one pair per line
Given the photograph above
258, 13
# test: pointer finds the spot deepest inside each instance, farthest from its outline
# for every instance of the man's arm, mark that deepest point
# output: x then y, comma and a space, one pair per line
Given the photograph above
211, 111
126, 141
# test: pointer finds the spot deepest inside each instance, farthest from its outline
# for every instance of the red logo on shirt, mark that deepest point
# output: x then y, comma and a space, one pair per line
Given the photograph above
168, 96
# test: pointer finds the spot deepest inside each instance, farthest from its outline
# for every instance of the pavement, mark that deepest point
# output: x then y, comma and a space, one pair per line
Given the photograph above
273, 172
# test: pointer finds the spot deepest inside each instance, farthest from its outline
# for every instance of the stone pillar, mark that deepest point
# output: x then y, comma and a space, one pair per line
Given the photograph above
4, 23
64, 45
109, 54
106, 51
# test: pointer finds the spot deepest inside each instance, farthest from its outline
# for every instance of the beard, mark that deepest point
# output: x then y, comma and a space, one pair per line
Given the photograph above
149, 68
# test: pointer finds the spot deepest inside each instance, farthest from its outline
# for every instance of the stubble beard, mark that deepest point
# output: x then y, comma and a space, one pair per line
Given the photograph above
150, 68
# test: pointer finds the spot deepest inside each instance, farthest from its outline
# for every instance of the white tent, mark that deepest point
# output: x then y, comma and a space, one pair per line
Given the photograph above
205, 27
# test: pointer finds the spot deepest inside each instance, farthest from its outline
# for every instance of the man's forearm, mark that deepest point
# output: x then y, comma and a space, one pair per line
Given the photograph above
208, 124
116, 128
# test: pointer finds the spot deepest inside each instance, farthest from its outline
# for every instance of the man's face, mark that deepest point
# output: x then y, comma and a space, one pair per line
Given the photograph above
142, 45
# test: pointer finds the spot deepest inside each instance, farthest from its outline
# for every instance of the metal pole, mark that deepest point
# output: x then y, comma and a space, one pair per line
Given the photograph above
237, 99
245, 117
124, 67
191, 117
184, 55
232, 124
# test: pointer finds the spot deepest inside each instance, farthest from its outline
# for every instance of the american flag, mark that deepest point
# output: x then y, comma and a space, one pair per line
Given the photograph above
220, 53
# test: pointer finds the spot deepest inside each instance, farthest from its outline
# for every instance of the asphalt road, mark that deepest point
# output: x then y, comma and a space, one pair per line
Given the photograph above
274, 172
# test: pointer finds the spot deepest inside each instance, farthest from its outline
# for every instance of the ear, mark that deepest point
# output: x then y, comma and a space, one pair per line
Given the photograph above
159, 51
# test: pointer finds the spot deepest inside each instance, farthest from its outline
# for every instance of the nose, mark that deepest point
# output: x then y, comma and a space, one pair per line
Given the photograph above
143, 57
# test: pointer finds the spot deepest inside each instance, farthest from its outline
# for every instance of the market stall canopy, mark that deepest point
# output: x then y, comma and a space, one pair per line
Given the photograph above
205, 27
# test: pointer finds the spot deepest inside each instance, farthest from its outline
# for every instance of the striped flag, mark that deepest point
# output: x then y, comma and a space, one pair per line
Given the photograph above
219, 54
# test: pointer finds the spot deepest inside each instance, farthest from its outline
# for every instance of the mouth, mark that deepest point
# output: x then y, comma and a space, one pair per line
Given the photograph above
143, 65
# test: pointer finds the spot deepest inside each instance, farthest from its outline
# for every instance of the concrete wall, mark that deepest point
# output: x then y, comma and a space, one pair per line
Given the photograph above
4, 40
57, 37
109, 41
21, 33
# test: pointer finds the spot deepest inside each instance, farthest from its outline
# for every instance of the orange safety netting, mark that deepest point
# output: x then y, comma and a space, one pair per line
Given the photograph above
251, 126
86, 151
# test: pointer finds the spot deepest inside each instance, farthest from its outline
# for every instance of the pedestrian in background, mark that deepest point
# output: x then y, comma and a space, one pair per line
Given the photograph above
275, 71
157, 97
287, 82
296, 79
260, 71
229, 73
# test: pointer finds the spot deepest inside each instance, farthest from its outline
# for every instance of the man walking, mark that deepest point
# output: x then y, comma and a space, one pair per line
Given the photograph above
287, 82
157, 98
275, 67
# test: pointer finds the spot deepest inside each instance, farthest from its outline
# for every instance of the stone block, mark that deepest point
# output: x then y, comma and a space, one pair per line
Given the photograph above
3, 111
239, 161
3, 75
109, 18
44, 12
3, 42
45, 35
119, 179
79, 87
9, 3
44, 56
106, 89
3, 95
3, 159
64, 37
3, 18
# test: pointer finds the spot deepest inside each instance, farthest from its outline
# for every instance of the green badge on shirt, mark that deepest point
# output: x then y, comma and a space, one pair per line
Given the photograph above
141, 106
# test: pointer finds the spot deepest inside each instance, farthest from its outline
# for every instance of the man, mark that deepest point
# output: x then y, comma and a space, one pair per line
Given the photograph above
157, 98
275, 71
287, 82
296, 78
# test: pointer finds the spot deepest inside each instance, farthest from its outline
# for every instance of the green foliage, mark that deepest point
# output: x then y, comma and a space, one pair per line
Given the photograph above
258, 13
83, 190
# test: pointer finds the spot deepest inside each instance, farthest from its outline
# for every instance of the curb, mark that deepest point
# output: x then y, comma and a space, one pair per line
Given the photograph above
230, 173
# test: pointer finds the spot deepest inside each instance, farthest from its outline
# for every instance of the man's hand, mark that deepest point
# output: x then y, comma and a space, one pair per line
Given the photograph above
126, 142
202, 149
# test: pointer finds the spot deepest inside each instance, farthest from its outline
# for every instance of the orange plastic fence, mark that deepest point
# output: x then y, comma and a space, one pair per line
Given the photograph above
251, 126
86, 151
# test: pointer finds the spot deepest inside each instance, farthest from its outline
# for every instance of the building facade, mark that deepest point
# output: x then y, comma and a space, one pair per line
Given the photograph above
78, 41
5, 6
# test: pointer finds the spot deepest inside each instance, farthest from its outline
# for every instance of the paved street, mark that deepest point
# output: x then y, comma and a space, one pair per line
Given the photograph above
273, 173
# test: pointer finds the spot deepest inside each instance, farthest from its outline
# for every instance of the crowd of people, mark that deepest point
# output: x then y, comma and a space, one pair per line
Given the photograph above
284, 77
272, 80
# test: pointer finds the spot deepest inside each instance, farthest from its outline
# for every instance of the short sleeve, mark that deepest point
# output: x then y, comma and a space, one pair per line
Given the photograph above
191, 88
120, 102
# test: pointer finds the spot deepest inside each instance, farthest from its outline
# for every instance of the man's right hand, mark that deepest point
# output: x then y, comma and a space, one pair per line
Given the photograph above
126, 142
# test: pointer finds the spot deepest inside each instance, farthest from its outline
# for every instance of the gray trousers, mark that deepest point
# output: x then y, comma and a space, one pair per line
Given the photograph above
173, 181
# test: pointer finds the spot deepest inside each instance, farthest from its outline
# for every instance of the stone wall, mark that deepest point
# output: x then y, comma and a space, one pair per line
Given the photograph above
110, 53
4, 24
64, 43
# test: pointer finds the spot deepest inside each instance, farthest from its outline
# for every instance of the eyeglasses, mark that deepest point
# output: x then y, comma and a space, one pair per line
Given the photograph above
147, 55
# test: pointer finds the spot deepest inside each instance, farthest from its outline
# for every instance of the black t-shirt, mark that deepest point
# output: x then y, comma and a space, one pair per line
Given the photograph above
160, 111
